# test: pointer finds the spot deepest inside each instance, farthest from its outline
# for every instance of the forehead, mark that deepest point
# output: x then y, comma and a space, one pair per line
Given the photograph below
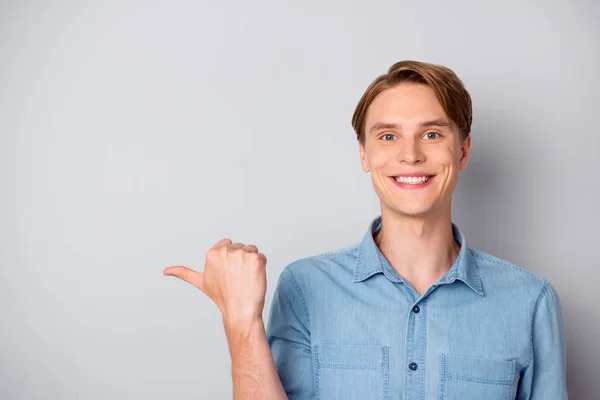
407, 102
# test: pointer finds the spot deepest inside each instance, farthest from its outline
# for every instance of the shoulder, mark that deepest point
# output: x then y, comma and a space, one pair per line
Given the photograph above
500, 275
331, 261
323, 267
492, 264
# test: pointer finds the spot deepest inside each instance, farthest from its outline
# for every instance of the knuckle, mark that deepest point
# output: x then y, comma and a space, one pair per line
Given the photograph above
214, 254
263, 258
249, 259
258, 259
210, 256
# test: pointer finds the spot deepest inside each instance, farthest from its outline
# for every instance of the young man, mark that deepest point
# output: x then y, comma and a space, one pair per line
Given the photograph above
410, 312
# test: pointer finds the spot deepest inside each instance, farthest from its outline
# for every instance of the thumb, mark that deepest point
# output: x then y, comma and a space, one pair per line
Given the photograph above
189, 275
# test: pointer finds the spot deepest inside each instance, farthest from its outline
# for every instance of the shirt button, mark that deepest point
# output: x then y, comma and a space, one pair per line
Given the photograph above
413, 366
416, 309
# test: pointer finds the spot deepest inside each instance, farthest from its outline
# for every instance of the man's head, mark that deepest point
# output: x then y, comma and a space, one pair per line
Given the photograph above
416, 119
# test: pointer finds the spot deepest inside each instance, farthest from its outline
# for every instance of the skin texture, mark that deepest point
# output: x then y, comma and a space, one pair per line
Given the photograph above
416, 236
410, 147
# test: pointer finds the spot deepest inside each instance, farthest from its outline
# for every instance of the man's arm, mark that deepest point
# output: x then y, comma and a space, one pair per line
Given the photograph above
235, 279
252, 367
545, 376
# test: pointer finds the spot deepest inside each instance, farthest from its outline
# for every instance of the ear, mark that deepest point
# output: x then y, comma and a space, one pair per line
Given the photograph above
465, 149
363, 158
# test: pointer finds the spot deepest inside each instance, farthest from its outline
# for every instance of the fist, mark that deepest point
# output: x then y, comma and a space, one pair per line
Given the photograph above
234, 278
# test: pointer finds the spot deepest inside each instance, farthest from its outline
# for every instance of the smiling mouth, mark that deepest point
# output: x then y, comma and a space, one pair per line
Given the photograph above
412, 180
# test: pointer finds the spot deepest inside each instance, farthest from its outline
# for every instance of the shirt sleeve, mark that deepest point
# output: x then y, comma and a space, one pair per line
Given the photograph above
545, 376
288, 333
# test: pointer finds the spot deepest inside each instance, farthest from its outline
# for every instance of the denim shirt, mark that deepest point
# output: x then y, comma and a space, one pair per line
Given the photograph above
345, 325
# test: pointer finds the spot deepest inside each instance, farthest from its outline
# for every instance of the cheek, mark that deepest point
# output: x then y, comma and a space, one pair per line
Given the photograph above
438, 161
381, 157
449, 157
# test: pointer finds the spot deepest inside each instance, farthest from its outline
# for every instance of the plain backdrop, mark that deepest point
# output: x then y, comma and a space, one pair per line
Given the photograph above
136, 134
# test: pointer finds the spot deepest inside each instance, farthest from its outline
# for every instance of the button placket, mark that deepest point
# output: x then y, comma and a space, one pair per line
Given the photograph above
416, 337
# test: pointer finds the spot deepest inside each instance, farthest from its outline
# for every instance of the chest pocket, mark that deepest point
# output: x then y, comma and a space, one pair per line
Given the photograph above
351, 372
477, 378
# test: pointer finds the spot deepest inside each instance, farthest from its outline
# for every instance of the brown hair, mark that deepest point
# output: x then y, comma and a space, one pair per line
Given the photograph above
448, 88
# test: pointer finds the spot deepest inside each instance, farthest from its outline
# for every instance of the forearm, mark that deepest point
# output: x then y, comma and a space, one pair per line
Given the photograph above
252, 367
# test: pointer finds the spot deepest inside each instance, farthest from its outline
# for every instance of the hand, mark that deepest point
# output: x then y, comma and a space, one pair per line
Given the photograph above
234, 278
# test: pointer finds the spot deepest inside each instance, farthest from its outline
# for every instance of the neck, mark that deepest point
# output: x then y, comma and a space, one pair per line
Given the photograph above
421, 250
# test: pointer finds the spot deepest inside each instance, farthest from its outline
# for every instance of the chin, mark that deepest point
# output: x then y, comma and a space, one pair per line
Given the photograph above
415, 212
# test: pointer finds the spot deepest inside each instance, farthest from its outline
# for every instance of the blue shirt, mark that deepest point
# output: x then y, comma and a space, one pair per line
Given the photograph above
345, 325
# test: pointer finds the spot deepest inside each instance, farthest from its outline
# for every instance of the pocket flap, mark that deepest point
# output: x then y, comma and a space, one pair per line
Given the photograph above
344, 356
479, 369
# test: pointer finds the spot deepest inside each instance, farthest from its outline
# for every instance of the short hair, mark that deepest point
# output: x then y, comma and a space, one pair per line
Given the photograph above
449, 90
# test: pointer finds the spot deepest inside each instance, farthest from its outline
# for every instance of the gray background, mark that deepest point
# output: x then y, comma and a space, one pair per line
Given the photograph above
134, 135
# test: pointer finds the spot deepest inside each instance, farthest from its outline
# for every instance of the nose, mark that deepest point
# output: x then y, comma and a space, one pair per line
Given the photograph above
410, 152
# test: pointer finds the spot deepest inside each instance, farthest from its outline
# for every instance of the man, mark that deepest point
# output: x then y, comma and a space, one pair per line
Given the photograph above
410, 312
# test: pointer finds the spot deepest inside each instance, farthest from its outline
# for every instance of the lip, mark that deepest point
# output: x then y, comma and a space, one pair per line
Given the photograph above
411, 186
418, 173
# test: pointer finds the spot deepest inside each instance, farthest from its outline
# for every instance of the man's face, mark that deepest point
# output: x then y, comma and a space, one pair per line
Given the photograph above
408, 133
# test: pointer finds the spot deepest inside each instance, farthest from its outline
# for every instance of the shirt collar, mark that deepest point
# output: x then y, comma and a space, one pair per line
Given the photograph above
371, 261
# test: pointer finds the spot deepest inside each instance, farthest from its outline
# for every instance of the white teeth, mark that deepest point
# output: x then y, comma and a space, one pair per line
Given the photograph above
413, 180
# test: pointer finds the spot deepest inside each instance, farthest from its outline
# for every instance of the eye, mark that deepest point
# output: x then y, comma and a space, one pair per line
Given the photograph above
386, 136
428, 135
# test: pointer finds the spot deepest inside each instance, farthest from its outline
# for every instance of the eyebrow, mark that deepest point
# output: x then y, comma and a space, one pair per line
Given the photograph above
441, 122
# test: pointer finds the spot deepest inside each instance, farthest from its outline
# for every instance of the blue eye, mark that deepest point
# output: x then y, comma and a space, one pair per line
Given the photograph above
387, 135
431, 133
